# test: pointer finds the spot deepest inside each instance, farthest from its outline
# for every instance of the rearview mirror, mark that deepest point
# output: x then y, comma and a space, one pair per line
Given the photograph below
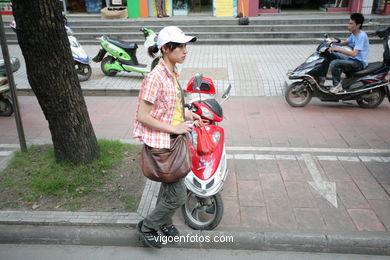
198, 78
227, 91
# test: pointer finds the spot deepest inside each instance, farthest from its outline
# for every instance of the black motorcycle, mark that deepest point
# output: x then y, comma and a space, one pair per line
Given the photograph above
368, 86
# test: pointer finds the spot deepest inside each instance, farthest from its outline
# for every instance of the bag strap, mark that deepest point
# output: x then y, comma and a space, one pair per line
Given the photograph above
182, 98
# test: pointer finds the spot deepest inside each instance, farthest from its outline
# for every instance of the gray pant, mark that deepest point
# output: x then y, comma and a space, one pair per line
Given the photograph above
160, 7
343, 63
173, 197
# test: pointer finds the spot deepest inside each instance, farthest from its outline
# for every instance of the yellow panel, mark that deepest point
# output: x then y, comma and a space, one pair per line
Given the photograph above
224, 8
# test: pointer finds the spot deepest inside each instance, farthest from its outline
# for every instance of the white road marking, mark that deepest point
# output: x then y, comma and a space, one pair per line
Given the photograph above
9, 146
370, 159
325, 188
306, 149
289, 157
5, 153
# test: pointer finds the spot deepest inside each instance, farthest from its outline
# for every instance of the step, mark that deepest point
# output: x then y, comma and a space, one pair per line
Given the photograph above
314, 41
225, 28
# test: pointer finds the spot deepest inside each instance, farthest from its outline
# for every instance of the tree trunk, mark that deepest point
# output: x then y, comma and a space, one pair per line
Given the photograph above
50, 70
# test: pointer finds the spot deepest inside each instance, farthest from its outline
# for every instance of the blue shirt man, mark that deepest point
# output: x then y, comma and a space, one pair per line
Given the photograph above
360, 42
345, 60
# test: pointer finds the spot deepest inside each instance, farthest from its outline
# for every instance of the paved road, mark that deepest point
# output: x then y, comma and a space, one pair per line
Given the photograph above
253, 70
58, 252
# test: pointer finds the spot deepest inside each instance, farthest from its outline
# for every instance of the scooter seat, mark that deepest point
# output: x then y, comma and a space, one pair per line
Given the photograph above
126, 46
373, 66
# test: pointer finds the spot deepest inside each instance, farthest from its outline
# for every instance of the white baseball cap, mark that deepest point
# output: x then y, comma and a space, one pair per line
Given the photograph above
173, 34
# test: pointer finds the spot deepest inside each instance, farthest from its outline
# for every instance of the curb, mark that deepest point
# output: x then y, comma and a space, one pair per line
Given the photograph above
374, 243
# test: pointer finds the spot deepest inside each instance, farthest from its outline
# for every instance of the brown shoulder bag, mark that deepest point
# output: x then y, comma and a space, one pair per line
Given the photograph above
167, 165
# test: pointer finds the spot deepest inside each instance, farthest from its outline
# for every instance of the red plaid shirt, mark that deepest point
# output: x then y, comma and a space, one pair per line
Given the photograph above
158, 88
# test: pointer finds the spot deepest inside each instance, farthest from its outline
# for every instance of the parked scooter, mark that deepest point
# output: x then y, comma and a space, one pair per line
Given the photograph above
123, 56
82, 60
80, 57
6, 107
368, 86
203, 208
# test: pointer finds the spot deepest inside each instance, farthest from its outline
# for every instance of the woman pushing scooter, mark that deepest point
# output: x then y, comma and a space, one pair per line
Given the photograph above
161, 118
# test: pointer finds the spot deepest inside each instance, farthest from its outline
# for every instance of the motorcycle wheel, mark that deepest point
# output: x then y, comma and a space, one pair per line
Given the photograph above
371, 100
297, 99
6, 108
109, 60
84, 71
202, 213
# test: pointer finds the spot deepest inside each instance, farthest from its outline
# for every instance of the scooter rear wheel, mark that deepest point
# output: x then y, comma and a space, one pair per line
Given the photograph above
108, 60
371, 100
202, 213
296, 97
6, 108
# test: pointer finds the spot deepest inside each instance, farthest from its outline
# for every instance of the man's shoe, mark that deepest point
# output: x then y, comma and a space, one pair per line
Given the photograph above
150, 238
170, 230
336, 89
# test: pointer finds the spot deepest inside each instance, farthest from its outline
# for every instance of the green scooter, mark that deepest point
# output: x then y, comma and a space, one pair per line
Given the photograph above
122, 56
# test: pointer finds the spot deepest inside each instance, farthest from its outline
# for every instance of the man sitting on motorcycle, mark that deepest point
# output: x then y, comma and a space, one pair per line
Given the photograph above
342, 60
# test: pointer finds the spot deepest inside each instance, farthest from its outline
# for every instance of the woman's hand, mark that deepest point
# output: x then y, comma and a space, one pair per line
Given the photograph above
183, 128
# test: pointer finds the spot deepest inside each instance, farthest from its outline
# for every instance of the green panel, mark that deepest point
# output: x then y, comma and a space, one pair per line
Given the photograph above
114, 66
133, 8
136, 69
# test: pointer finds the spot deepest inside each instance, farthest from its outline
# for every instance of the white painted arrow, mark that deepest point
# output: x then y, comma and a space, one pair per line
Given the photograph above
325, 188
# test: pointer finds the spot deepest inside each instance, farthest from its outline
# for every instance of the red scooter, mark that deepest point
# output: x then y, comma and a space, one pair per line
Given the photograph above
203, 208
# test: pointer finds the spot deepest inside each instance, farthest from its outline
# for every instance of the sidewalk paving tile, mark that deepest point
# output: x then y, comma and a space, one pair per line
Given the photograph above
372, 191
380, 171
309, 219
291, 171
366, 220
382, 210
231, 215
246, 170
254, 217
273, 186
335, 218
230, 186
250, 193
358, 171
299, 194
280, 214
350, 195
387, 187
334, 171
268, 167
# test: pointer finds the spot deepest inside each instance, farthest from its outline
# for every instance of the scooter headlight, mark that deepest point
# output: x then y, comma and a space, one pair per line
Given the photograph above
216, 137
303, 72
207, 113
194, 139
312, 58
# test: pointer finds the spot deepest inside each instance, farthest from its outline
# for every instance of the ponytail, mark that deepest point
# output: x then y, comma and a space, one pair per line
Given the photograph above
152, 50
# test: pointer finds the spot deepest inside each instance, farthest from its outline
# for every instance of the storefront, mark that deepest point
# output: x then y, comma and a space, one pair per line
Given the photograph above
332, 6
5, 7
224, 8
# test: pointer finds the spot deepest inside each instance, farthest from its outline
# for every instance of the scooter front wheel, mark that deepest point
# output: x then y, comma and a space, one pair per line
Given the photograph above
84, 71
108, 60
6, 108
202, 213
297, 95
